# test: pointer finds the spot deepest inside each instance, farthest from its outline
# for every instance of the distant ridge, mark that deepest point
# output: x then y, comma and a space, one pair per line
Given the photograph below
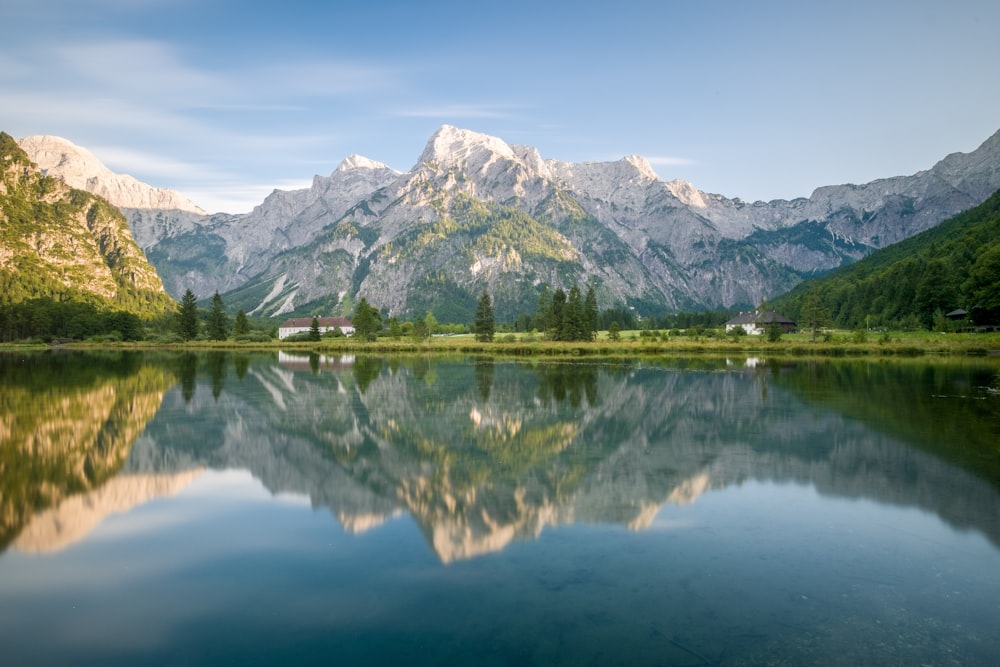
79, 168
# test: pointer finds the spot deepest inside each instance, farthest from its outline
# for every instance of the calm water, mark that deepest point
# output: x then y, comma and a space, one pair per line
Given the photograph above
206, 509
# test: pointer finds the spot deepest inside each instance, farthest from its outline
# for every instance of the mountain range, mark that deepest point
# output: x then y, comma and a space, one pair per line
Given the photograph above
476, 213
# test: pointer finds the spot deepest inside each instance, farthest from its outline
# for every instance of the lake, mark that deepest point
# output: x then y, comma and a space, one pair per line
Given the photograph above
217, 508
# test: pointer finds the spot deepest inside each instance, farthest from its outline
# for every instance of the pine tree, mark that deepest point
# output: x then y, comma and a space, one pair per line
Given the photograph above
314, 334
572, 319
814, 314
242, 326
614, 331
484, 325
218, 320
590, 315
187, 316
367, 321
543, 310
553, 323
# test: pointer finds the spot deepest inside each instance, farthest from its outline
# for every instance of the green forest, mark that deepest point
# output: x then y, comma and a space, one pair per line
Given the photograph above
915, 283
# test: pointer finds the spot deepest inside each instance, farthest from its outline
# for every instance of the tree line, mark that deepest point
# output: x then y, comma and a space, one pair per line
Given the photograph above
914, 283
47, 319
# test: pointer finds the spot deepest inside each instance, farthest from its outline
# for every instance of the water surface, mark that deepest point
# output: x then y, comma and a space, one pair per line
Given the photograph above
205, 509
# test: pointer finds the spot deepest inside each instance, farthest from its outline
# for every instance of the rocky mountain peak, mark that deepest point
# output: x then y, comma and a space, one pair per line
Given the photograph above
352, 162
642, 166
451, 146
687, 193
79, 168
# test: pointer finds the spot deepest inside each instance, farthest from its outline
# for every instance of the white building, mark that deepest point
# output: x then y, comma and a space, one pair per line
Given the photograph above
297, 325
756, 323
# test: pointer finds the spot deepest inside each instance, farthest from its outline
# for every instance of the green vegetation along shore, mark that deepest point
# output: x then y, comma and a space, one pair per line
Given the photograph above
630, 344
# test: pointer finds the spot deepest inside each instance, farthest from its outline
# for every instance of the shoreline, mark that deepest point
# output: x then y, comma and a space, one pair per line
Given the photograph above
921, 344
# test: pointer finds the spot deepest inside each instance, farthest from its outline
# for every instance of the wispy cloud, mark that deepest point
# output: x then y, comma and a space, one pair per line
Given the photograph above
153, 165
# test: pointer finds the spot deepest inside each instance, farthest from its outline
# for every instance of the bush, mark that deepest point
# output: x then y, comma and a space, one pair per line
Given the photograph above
169, 338
113, 337
253, 337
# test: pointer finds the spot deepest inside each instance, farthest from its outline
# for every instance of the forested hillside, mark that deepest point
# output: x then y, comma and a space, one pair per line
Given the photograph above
66, 254
914, 283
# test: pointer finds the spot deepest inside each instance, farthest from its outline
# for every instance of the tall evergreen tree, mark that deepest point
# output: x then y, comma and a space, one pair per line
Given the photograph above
314, 334
614, 331
572, 319
553, 323
484, 324
367, 321
814, 314
242, 325
218, 320
590, 314
187, 316
543, 311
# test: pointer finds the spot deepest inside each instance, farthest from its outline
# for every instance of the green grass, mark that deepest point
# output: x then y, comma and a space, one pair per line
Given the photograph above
633, 344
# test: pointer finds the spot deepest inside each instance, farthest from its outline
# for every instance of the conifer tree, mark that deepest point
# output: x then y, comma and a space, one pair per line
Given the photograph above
187, 316
218, 320
553, 324
367, 320
590, 315
484, 324
572, 319
242, 326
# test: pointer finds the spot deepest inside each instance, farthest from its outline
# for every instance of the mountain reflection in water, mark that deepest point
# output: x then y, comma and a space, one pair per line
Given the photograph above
486, 452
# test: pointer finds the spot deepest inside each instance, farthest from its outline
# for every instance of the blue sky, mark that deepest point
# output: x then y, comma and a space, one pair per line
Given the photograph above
225, 100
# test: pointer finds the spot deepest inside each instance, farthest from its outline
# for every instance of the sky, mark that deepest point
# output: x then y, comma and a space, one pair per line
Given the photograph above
226, 100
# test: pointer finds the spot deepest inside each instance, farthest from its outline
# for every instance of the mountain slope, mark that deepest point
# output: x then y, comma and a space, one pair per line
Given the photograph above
469, 214
954, 265
64, 243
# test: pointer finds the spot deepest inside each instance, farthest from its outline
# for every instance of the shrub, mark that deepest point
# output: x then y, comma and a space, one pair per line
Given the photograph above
253, 337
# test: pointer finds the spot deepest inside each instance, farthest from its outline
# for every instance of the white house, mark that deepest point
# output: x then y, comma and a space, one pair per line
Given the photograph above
297, 325
756, 323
